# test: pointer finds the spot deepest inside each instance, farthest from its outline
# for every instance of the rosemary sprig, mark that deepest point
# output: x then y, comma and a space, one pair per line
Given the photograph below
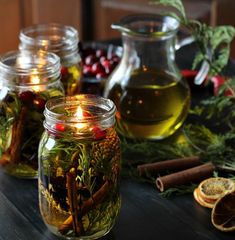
213, 42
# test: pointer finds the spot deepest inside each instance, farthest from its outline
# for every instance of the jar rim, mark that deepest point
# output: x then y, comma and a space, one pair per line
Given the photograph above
54, 37
22, 62
17, 67
83, 100
147, 25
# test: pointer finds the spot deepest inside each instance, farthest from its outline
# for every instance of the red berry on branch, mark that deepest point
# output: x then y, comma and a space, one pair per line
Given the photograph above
218, 82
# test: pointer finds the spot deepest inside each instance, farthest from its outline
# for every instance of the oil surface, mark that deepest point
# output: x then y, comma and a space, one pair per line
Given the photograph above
151, 105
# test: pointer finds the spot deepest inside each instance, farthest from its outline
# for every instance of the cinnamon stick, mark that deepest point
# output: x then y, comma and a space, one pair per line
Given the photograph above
169, 165
89, 204
13, 152
73, 201
18, 136
194, 174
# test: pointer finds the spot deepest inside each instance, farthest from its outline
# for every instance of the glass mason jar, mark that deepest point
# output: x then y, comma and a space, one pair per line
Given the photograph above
59, 39
79, 165
27, 81
151, 96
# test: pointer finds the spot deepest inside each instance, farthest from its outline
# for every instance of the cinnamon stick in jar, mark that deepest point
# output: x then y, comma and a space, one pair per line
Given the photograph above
73, 201
195, 174
169, 165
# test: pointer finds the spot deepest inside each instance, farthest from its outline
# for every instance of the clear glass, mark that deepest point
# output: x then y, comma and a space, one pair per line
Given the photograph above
79, 166
61, 40
151, 96
27, 81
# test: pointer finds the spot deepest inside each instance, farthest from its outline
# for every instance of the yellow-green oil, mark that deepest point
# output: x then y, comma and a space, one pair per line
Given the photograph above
152, 105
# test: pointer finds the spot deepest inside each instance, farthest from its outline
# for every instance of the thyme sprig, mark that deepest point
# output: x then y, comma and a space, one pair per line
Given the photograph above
213, 42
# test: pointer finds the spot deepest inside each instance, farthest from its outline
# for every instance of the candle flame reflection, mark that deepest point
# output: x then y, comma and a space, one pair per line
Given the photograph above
35, 80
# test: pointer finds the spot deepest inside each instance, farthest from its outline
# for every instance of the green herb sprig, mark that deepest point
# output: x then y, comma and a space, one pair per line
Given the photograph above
213, 42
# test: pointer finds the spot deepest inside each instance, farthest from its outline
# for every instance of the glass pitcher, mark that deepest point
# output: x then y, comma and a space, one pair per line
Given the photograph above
151, 96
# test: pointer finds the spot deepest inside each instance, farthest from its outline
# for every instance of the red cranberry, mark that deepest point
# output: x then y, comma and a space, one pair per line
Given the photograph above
97, 68
86, 114
98, 133
90, 59
102, 59
64, 71
60, 127
27, 96
39, 103
106, 63
100, 53
87, 71
218, 82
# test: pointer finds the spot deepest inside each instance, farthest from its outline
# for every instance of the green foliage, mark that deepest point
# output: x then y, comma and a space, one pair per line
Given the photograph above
8, 113
177, 4
213, 140
213, 42
219, 110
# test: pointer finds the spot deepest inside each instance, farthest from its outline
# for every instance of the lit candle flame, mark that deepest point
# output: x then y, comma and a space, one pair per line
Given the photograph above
79, 114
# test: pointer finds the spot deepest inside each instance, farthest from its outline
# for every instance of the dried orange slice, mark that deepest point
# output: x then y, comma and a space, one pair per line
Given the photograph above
200, 200
214, 188
223, 213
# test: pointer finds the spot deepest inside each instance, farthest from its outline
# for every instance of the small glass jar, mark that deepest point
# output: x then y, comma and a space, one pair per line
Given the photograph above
61, 40
79, 166
27, 81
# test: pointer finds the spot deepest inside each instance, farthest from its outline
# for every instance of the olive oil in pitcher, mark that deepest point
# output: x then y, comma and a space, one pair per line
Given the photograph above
151, 96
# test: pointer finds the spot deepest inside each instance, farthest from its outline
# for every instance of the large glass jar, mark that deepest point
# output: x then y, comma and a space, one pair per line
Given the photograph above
151, 96
79, 157
27, 81
62, 40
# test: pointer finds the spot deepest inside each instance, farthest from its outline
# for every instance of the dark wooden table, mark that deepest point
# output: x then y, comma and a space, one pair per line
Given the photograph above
145, 214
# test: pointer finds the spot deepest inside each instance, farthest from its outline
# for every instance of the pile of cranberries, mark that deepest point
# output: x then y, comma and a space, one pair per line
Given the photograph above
99, 62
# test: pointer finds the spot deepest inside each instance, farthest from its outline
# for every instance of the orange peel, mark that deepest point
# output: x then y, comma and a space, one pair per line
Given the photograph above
212, 189
223, 213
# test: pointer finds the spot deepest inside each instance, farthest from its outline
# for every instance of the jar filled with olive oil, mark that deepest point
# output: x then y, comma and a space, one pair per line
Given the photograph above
62, 40
151, 96
27, 81
79, 167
